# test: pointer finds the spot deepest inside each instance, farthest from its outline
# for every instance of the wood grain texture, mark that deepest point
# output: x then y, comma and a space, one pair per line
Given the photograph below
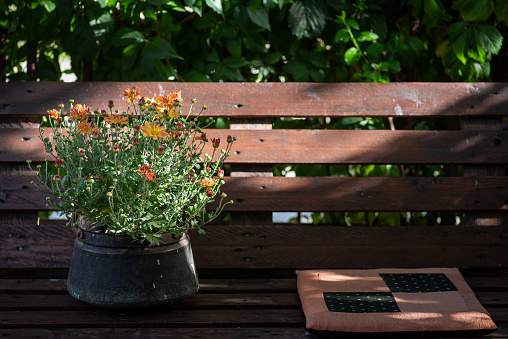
323, 194
291, 246
250, 100
320, 146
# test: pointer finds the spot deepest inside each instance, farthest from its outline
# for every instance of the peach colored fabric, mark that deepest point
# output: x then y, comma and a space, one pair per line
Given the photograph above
436, 311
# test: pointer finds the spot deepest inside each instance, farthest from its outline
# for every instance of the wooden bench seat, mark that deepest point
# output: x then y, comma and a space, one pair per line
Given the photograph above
247, 264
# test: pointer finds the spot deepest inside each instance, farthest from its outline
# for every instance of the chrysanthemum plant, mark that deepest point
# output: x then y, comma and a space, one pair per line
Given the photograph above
140, 173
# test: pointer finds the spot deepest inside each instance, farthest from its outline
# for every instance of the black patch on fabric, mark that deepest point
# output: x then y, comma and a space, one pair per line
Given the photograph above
418, 282
360, 302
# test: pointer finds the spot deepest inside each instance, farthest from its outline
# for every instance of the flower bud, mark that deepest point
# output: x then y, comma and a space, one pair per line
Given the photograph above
61, 105
58, 121
204, 107
194, 100
116, 148
111, 104
81, 153
215, 142
224, 195
209, 192
160, 151
109, 194
220, 173
208, 169
56, 178
191, 172
29, 161
59, 162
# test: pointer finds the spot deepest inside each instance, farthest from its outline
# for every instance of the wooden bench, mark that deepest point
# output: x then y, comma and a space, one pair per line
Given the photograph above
246, 265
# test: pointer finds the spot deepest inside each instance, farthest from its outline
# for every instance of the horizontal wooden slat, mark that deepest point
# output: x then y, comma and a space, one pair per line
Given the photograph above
323, 194
291, 246
242, 100
320, 146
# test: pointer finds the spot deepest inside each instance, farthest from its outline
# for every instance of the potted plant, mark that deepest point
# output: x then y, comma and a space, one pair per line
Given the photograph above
133, 183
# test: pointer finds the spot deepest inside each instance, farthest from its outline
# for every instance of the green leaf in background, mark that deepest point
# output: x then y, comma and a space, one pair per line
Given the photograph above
474, 10
307, 18
127, 36
342, 35
367, 36
161, 49
458, 39
352, 56
501, 10
435, 9
488, 37
216, 5
49, 5
259, 17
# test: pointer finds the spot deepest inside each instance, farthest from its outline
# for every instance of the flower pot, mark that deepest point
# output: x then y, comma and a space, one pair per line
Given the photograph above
118, 272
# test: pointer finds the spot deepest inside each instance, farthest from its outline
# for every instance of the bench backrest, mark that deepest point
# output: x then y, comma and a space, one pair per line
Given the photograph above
472, 148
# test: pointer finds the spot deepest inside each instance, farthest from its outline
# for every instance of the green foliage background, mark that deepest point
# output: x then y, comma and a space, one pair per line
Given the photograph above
261, 41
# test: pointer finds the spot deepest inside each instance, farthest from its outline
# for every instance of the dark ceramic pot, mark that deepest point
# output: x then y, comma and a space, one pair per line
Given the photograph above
118, 272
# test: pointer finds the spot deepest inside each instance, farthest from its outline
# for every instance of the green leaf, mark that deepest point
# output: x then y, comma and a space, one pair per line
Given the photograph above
235, 62
394, 66
367, 36
435, 10
259, 17
501, 10
307, 18
458, 39
342, 36
488, 37
216, 5
353, 24
375, 49
49, 5
161, 49
127, 36
474, 10
352, 56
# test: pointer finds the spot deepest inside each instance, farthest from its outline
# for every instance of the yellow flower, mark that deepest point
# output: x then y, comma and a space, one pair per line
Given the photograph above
117, 119
85, 128
153, 131
78, 112
131, 94
207, 182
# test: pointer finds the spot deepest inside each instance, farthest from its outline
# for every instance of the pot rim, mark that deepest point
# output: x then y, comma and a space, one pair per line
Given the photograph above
120, 240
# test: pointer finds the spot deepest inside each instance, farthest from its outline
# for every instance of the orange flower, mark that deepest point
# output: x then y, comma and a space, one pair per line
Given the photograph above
166, 103
78, 112
131, 94
146, 170
153, 131
85, 128
53, 113
207, 182
117, 119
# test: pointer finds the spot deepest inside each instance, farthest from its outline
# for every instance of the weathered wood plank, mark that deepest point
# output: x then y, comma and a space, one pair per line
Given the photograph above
51, 245
169, 318
316, 256
247, 100
323, 194
162, 333
59, 302
320, 146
